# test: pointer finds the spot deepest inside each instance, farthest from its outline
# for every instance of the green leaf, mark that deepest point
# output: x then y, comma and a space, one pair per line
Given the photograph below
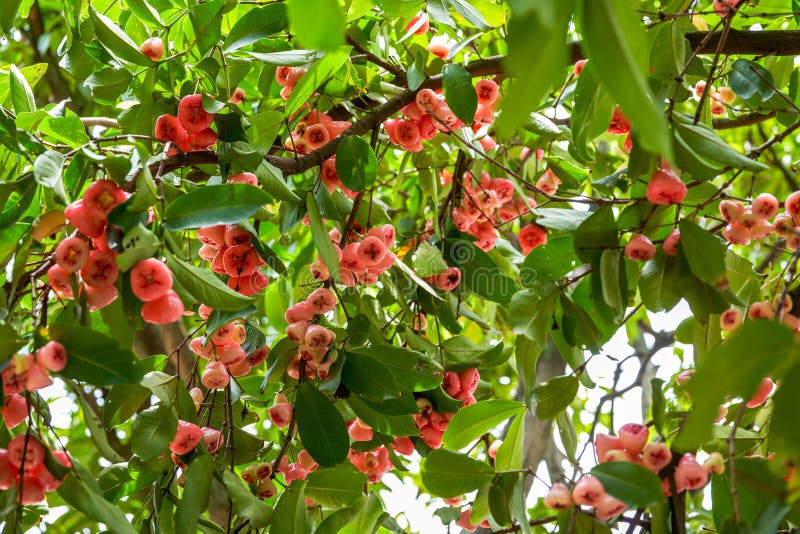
428, 260
368, 377
630, 483
569, 437
116, 41
322, 241
592, 112
501, 498
47, 169
122, 402
10, 342
475, 420
784, 430
321, 426
579, 327
247, 505
658, 404
81, 491
214, 204
317, 24
139, 244
597, 232
221, 317
479, 273
560, 219
660, 283
197, 490
509, 455
748, 78
98, 434
470, 14
8, 11
255, 25
529, 313
316, 75
94, 357
356, 164
616, 43
144, 11
555, 395
448, 474
152, 432
205, 287
537, 55
393, 425
756, 349
704, 252
335, 487
610, 261
411, 369
459, 92
704, 143
206, 22
21, 93
291, 514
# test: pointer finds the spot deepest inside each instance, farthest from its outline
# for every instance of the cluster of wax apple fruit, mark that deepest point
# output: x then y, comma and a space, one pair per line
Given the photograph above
313, 339
224, 352
191, 129
724, 96
22, 465
29, 373
431, 425
229, 249
189, 435
630, 445
429, 114
151, 279
360, 261
491, 199
287, 78
315, 130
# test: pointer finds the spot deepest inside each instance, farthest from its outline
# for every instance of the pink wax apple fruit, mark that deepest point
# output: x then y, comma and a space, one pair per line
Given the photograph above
186, 438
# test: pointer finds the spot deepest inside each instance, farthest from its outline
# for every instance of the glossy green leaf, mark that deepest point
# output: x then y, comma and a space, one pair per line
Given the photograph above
510, 454
610, 263
8, 11
246, 505
554, 396
472, 422
321, 426
255, 25
152, 432
356, 164
214, 204
194, 500
592, 112
630, 483
116, 41
291, 515
368, 377
319, 73
410, 369
94, 357
21, 93
335, 487
706, 144
203, 285
447, 474
748, 78
616, 43
318, 24
206, 19
597, 232
459, 92
479, 273
704, 252
322, 241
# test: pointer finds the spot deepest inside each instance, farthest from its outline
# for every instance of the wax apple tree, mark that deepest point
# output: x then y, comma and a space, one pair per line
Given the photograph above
264, 260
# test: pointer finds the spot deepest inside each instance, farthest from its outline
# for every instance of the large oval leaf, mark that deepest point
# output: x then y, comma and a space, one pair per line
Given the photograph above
476, 419
321, 426
214, 204
630, 483
459, 92
356, 163
205, 287
447, 474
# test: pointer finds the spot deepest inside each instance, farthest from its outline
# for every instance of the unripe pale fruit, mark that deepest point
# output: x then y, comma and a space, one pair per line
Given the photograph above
640, 248
238, 96
163, 310
656, 456
761, 310
487, 92
633, 437
731, 210
249, 474
609, 507
665, 188
52, 356
439, 46
100, 270
736, 234
318, 337
153, 48
493, 447
266, 489
186, 438
603, 443
762, 393
791, 204
150, 279
715, 463
212, 438
26, 446
192, 115
765, 206
671, 243
72, 254
280, 414
215, 376
559, 497
731, 319
588, 491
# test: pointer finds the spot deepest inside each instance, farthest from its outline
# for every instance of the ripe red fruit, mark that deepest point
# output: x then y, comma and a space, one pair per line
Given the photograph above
238, 96
530, 237
438, 46
47, 481
633, 437
15, 411
690, 475
548, 183
619, 123
423, 27
588, 491
153, 48
101, 270
234, 235
165, 309
280, 414
321, 301
559, 497
359, 431
579, 66
258, 356
671, 243
32, 492
608, 507
240, 260
639, 248
72, 254
656, 456
28, 446
215, 376
52, 356
244, 178
169, 129
426, 100
86, 223
200, 140
150, 279
316, 136
487, 92
100, 297
101, 197
186, 438
59, 280
449, 279
192, 115
213, 439
762, 393
371, 251
604, 443
665, 188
